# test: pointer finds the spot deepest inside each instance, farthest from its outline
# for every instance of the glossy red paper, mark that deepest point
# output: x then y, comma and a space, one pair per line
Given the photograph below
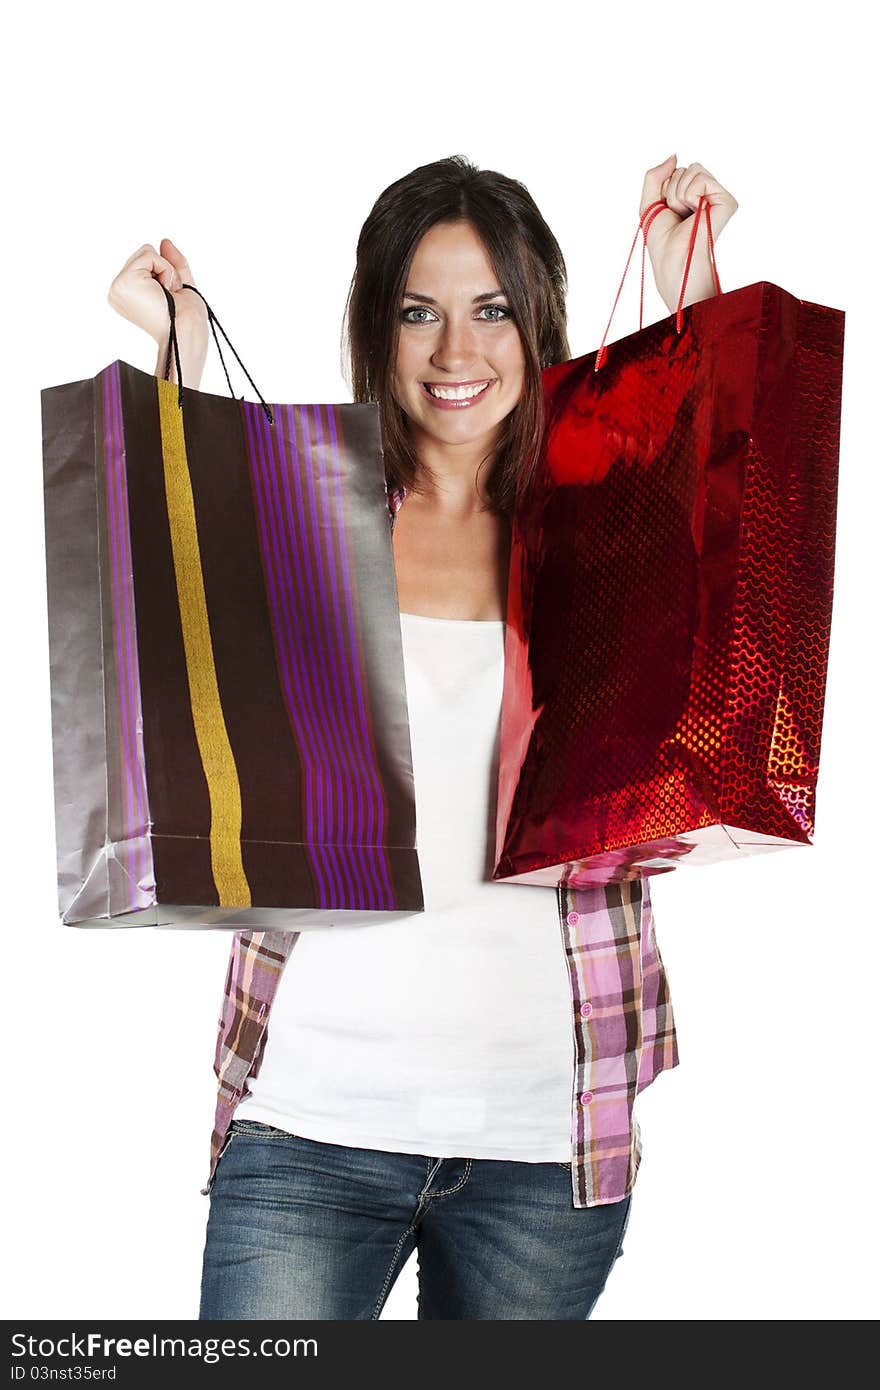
670, 596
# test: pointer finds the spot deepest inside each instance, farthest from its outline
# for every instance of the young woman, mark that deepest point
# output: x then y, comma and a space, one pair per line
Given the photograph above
463, 1082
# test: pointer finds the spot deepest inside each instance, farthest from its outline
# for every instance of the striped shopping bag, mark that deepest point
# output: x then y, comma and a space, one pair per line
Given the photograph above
229, 722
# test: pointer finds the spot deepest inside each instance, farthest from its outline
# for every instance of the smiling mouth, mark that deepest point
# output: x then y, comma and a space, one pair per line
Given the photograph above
463, 394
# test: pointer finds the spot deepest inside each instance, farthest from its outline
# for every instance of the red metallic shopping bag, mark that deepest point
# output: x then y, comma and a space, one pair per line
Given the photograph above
670, 594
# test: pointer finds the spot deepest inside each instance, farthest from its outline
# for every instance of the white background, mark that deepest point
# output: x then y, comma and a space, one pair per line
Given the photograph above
258, 137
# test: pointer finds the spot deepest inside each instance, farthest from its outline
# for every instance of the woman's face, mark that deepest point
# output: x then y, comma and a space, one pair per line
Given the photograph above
456, 332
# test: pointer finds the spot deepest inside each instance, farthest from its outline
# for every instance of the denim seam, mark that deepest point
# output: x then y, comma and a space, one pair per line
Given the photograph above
446, 1191
394, 1258
228, 1138
424, 1200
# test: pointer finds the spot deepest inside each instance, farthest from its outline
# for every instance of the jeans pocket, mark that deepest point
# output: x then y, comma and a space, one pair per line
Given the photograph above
244, 1126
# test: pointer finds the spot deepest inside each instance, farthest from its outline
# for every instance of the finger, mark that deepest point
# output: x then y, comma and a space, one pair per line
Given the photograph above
688, 178
162, 270
651, 184
657, 174
146, 262
177, 259
672, 195
669, 184
140, 256
696, 181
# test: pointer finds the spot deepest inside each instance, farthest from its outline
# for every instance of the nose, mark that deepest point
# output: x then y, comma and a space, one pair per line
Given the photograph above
456, 350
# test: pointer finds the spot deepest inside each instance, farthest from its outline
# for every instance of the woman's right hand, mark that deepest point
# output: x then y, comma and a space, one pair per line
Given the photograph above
137, 294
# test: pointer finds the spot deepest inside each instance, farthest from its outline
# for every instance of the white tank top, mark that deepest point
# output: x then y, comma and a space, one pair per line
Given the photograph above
448, 1033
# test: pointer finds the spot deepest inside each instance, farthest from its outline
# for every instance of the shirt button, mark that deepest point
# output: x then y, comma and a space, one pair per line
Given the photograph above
572, 919
586, 1097
586, 1010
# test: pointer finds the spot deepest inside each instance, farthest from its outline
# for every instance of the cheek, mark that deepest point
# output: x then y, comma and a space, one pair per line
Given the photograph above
513, 360
515, 373
401, 376
402, 384
407, 360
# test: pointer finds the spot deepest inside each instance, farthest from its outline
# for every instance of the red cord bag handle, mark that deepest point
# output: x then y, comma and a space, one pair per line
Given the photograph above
645, 221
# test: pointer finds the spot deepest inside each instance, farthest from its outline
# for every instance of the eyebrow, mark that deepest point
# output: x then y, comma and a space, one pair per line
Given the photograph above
477, 299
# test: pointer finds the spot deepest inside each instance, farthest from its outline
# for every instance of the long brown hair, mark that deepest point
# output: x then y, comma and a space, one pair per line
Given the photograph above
530, 268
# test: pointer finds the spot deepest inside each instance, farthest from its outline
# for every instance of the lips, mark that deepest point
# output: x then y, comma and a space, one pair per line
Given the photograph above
463, 403
453, 385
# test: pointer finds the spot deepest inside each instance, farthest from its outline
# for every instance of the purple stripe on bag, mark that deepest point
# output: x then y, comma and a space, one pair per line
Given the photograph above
348, 766
133, 854
111, 455
342, 796
365, 792
328, 782
324, 774
289, 620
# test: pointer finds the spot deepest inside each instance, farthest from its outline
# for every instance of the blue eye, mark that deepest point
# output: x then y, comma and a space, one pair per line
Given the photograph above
423, 309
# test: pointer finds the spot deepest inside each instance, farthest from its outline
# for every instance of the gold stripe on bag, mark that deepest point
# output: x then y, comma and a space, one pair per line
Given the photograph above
215, 748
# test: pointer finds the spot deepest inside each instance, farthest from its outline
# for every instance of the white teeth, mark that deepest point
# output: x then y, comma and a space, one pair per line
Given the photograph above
457, 393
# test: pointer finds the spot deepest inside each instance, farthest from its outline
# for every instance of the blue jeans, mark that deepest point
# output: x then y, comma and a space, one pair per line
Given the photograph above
299, 1228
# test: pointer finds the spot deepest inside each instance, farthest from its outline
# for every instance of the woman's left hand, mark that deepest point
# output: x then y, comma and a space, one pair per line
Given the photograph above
670, 231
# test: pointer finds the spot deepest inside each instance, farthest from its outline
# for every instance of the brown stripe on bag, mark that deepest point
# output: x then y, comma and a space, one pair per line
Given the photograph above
179, 806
